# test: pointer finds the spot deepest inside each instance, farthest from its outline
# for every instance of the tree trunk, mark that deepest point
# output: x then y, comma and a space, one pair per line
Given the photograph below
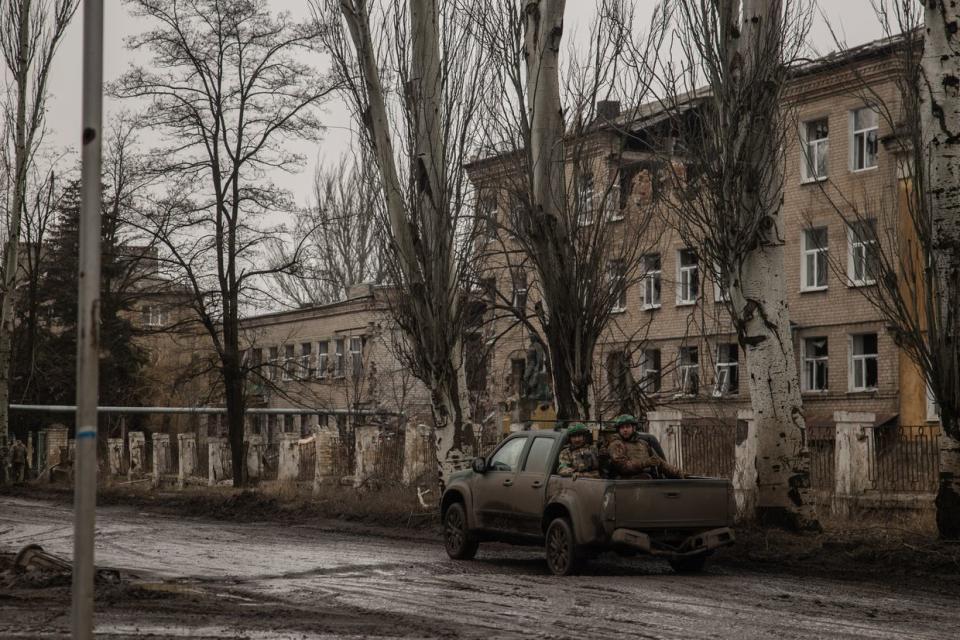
941, 130
11, 255
234, 396
759, 302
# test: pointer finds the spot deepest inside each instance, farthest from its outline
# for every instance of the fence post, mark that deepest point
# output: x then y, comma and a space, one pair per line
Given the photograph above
214, 460
254, 456
852, 458
364, 460
327, 440
665, 426
161, 456
187, 443
138, 454
288, 464
416, 458
745, 466
115, 456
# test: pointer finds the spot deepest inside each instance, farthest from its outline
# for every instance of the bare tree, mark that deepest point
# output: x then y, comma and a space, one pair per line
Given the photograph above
417, 91
563, 194
342, 235
30, 32
913, 229
228, 87
726, 205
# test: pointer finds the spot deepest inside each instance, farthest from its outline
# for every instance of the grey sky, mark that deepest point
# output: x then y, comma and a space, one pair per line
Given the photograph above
853, 18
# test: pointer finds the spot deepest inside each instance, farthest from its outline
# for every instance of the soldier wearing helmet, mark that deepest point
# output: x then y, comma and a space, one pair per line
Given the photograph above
633, 455
578, 458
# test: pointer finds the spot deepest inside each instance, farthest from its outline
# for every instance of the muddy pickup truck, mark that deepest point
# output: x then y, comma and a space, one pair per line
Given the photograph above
514, 495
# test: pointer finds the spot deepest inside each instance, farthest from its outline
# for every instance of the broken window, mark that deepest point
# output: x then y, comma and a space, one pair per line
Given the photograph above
650, 370
651, 281
727, 370
688, 370
688, 277
863, 362
814, 265
864, 139
863, 258
816, 361
816, 135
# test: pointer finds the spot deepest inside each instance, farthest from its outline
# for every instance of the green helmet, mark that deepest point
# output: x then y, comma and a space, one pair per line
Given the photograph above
578, 428
625, 418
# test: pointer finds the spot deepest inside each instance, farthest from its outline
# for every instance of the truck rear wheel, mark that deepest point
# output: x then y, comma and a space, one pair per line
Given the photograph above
689, 564
457, 539
563, 557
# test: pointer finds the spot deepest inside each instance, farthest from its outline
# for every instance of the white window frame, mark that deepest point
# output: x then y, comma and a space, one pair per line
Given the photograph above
616, 270
517, 279
154, 315
686, 371
306, 359
933, 410
339, 368
289, 359
811, 149
723, 368
615, 213
856, 243
652, 281
586, 194
720, 294
273, 364
650, 364
859, 361
808, 374
688, 279
323, 359
356, 356
818, 255
861, 143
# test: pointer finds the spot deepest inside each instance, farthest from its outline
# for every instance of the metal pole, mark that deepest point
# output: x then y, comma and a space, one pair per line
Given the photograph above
88, 323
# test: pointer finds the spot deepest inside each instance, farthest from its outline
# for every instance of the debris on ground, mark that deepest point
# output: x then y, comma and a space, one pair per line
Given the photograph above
34, 568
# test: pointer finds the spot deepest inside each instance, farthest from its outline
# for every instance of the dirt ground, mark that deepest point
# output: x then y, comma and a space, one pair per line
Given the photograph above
236, 572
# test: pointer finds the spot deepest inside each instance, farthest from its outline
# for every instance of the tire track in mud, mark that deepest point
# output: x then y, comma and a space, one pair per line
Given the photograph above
506, 592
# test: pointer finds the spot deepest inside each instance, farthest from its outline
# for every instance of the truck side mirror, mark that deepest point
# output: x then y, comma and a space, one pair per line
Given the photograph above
479, 465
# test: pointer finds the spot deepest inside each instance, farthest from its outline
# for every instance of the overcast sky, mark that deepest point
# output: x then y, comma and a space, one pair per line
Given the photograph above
853, 18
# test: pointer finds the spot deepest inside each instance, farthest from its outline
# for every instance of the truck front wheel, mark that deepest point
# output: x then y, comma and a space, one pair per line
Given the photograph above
457, 539
563, 557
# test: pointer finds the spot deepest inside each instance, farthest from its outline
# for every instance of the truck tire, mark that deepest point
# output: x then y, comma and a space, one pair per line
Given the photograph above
457, 539
689, 564
563, 557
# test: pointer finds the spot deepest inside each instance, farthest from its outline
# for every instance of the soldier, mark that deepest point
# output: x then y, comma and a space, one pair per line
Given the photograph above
578, 458
18, 460
632, 455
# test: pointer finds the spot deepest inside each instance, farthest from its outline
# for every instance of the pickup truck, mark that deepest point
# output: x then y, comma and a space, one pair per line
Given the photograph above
514, 495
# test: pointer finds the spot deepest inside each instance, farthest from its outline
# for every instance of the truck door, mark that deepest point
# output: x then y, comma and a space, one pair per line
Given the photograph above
530, 485
492, 489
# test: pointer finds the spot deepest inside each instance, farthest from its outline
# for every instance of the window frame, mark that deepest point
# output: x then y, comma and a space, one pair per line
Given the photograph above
617, 271
586, 195
685, 279
808, 171
305, 360
856, 146
818, 254
684, 371
339, 366
859, 360
651, 364
652, 281
289, 362
323, 359
810, 364
729, 367
855, 241
356, 356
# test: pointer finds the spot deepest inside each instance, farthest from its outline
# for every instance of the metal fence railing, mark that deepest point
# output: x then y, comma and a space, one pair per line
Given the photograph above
708, 449
904, 458
823, 465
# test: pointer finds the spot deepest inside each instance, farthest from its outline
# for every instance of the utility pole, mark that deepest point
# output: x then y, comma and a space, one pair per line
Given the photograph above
88, 325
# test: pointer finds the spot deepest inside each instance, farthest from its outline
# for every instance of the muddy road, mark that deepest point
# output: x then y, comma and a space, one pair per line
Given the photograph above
207, 579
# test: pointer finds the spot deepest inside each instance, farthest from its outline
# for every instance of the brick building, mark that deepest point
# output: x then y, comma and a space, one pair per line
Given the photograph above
670, 333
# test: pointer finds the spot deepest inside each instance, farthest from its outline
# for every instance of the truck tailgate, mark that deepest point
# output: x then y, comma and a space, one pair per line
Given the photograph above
643, 504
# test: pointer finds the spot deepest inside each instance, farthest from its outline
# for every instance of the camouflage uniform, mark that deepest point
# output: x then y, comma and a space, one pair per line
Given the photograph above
582, 461
634, 456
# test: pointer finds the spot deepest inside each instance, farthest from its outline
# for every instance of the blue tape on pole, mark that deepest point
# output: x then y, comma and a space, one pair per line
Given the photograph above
86, 434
